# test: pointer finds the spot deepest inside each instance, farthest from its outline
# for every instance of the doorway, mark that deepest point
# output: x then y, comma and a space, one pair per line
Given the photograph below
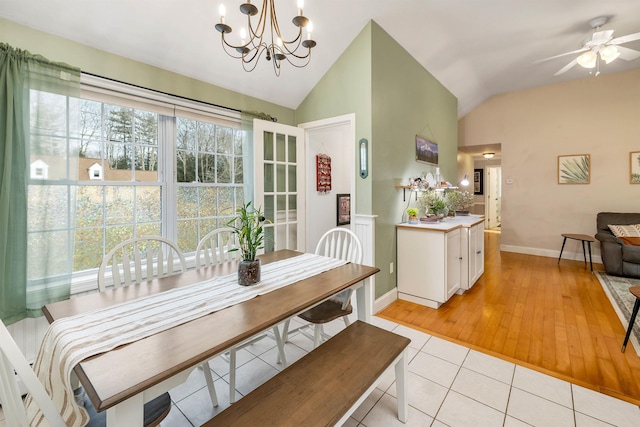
334, 137
493, 198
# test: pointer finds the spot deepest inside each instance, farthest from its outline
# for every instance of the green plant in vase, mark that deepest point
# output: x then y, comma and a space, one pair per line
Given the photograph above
247, 224
461, 201
413, 215
435, 203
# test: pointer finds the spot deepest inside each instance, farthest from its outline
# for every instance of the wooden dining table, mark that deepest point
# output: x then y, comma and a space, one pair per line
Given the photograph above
120, 381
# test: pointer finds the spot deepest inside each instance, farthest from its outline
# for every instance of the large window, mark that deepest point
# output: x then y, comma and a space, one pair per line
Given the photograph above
103, 172
209, 175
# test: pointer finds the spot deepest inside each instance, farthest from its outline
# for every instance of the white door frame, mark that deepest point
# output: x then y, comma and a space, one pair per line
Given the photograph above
350, 121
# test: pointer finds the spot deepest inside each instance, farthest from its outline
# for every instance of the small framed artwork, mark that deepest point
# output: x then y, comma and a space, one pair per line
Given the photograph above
574, 169
634, 167
478, 176
426, 151
344, 209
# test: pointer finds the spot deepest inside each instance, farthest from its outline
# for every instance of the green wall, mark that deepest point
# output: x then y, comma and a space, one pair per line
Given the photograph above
346, 89
407, 101
122, 69
394, 98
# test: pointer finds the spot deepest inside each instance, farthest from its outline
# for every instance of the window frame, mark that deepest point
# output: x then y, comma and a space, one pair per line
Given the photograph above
168, 108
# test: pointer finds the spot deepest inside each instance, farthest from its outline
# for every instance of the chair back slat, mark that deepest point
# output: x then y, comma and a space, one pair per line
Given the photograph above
216, 247
344, 244
12, 363
142, 258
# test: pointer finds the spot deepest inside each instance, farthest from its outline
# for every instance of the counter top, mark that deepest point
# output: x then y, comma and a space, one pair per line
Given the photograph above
448, 224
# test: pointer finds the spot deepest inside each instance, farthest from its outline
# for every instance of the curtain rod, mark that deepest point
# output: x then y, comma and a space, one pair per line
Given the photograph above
163, 93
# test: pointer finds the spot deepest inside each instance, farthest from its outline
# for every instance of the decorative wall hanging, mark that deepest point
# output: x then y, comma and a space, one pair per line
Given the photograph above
634, 167
344, 209
478, 184
323, 173
426, 151
574, 169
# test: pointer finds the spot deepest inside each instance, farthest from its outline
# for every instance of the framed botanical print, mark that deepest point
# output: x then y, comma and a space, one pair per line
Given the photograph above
574, 169
634, 167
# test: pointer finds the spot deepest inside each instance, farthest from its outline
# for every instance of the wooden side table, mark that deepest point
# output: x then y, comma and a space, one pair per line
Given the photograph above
583, 238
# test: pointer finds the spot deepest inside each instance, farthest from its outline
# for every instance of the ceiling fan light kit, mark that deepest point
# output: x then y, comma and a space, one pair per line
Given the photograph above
601, 46
296, 51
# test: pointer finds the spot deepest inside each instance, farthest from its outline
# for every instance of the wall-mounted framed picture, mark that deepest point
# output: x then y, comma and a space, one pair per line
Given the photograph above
574, 169
634, 167
478, 176
344, 209
426, 151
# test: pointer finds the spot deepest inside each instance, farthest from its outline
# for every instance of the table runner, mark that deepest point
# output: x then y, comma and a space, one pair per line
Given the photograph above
72, 339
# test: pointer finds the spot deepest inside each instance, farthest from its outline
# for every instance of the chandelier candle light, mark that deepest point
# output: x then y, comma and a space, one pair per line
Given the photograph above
272, 43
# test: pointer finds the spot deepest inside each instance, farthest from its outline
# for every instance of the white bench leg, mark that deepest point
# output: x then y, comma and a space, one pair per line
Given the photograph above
232, 375
402, 387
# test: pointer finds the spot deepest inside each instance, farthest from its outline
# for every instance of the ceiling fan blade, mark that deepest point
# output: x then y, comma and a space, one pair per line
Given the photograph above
601, 37
567, 67
628, 54
561, 55
625, 39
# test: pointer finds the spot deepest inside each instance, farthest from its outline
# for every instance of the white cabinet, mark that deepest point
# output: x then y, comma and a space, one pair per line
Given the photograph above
437, 260
472, 253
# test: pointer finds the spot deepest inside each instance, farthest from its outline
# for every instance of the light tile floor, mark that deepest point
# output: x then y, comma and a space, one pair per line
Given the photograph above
449, 385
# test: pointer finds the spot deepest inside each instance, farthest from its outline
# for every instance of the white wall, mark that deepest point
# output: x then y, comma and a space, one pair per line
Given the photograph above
599, 116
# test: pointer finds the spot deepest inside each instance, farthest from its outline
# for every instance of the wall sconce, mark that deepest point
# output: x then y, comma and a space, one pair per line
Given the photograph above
488, 155
465, 180
363, 146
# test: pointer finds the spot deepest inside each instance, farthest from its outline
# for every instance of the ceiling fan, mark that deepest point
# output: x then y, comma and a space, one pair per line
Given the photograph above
601, 46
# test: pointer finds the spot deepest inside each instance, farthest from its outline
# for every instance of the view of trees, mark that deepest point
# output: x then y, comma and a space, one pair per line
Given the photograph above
96, 215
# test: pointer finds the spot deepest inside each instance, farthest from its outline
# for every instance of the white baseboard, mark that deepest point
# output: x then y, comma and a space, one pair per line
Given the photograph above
386, 299
575, 256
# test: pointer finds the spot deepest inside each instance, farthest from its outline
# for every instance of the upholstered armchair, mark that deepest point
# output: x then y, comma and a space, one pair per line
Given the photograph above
619, 258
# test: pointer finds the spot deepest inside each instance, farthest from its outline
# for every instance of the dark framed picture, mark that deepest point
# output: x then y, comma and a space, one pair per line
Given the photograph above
344, 209
478, 176
426, 151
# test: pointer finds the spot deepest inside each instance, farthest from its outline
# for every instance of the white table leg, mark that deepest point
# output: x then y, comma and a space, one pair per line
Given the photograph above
364, 300
402, 389
129, 413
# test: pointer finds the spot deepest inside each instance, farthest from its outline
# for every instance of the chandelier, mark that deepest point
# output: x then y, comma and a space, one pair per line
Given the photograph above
265, 37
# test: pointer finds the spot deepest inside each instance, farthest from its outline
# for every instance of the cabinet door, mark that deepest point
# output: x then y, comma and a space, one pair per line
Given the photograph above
465, 258
453, 263
479, 251
473, 257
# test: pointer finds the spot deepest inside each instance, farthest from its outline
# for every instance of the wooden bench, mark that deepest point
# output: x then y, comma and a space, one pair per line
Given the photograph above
327, 385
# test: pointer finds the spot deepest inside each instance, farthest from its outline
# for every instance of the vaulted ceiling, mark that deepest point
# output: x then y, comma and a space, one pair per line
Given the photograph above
475, 48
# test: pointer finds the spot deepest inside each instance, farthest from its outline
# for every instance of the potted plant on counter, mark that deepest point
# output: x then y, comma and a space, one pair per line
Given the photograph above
247, 224
435, 204
413, 215
461, 201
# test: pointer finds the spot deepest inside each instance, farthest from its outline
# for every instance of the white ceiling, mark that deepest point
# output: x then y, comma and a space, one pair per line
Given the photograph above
476, 48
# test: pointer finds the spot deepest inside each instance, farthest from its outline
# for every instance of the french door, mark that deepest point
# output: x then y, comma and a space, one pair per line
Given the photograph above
279, 174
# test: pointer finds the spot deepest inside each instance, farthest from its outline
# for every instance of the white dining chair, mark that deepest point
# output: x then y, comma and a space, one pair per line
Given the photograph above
140, 259
340, 243
144, 258
13, 365
216, 248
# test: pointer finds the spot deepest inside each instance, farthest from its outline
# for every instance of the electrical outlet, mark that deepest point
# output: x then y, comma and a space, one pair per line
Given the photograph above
391, 267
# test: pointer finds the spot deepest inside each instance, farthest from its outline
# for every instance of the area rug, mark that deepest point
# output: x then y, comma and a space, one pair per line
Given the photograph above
617, 289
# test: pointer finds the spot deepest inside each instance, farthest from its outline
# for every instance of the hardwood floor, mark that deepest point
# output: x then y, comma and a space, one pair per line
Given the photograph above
554, 318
